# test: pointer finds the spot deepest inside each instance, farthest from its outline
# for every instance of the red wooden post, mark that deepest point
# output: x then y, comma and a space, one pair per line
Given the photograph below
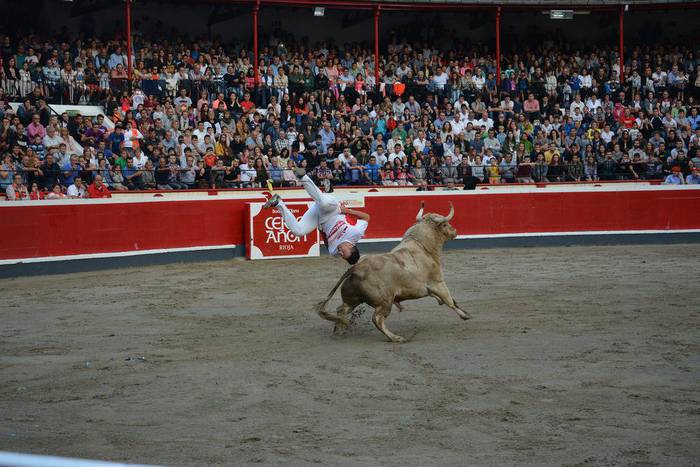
128, 40
498, 45
622, 45
256, 8
376, 45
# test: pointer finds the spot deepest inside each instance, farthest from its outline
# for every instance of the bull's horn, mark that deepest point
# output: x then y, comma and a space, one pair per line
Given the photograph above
451, 214
419, 216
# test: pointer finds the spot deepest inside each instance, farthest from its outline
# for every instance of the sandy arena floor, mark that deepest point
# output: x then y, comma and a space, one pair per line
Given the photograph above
575, 356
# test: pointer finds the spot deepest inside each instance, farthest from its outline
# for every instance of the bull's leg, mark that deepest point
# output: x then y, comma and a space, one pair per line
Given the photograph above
342, 311
442, 294
381, 313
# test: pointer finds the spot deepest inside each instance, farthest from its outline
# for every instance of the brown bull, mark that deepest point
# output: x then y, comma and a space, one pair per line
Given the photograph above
411, 270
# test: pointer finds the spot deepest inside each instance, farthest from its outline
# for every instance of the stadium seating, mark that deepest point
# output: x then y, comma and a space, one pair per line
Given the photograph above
436, 118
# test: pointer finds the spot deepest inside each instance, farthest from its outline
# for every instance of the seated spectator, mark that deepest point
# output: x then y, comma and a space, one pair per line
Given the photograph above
77, 189
694, 177
56, 193
98, 189
17, 190
132, 176
148, 176
675, 177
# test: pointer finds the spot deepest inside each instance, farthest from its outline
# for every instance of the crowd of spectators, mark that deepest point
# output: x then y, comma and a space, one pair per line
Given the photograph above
193, 116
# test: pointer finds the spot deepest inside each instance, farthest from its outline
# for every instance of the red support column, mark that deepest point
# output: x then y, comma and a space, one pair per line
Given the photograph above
498, 46
622, 45
129, 69
376, 45
256, 8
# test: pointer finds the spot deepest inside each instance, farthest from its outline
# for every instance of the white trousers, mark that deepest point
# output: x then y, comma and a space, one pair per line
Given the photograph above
324, 207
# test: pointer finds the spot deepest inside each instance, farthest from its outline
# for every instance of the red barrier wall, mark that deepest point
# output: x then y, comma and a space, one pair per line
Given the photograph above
45, 230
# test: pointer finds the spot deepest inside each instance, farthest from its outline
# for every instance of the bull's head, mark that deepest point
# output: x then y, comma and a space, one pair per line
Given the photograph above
438, 222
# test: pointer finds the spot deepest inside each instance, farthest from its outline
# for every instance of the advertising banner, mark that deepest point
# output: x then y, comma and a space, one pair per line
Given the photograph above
267, 237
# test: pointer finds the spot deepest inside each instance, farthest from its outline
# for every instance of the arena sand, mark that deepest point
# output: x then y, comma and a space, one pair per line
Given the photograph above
574, 356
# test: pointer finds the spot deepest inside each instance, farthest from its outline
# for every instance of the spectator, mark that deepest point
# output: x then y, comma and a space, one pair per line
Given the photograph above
132, 176
56, 193
98, 189
694, 177
17, 190
77, 189
148, 176
675, 177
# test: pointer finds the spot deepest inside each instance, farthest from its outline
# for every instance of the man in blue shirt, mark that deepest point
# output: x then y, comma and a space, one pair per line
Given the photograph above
275, 173
675, 178
694, 177
372, 171
116, 138
327, 137
71, 170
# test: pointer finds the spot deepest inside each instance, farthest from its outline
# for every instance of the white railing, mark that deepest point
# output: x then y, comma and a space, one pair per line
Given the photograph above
13, 459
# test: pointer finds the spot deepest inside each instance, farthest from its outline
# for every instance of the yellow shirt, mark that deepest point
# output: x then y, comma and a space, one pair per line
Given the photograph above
548, 155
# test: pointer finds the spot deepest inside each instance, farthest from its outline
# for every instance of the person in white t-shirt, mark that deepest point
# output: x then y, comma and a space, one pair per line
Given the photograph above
77, 189
342, 227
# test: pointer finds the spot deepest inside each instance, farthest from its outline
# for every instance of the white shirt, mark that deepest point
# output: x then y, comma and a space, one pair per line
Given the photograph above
246, 173
140, 161
593, 105
574, 105
440, 80
419, 144
340, 229
74, 191
199, 134
457, 126
129, 135
381, 158
488, 123
606, 136
396, 155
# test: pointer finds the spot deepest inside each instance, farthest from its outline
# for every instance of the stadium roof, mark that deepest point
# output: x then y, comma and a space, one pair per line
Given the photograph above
477, 4
572, 3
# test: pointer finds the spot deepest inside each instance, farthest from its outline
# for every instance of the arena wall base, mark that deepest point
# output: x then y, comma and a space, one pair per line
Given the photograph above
532, 241
98, 263
66, 266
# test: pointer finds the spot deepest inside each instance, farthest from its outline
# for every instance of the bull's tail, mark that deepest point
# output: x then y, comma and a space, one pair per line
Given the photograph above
320, 307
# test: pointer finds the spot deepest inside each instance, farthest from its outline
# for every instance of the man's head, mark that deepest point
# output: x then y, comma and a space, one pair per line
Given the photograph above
349, 252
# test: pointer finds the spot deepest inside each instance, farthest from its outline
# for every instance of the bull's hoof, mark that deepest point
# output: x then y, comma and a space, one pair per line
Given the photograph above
339, 330
398, 339
466, 316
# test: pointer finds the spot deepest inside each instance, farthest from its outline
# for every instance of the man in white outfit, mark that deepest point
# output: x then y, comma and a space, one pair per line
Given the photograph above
342, 227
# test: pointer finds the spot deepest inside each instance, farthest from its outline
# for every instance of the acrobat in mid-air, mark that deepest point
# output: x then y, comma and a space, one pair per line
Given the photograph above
342, 227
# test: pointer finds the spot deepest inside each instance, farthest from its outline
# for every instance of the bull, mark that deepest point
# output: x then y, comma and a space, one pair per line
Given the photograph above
410, 271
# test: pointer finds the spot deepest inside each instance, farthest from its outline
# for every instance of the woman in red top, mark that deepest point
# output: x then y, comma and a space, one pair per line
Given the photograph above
301, 109
36, 194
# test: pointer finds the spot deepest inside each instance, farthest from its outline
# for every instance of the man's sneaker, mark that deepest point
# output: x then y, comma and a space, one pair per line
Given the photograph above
269, 186
272, 202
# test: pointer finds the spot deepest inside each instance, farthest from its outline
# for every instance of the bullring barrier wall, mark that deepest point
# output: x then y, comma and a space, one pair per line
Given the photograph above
151, 225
